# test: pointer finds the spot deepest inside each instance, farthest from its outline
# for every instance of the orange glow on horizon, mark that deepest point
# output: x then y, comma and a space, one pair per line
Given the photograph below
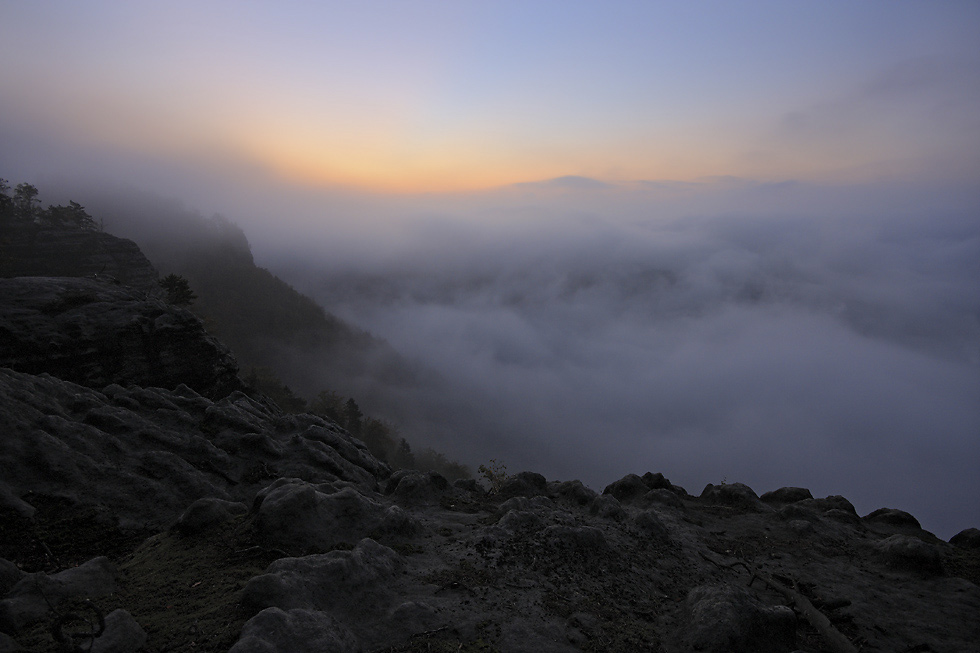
450, 167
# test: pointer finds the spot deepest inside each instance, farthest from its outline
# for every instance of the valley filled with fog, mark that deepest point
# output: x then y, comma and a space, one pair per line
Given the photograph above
588, 333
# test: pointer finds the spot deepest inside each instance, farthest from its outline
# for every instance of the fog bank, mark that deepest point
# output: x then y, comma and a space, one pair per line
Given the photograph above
717, 331
831, 348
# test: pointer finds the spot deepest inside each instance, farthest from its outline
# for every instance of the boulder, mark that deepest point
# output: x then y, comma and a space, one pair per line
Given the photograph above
411, 487
469, 486
608, 507
787, 495
966, 539
663, 497
122, 634
735, 495
892, 517
573, 492
31, 598
353, 580
657, 481
525, 484
844, 517
299, 516
910, 554
207, 513
729, 619
295, 631
833, 502
627, 489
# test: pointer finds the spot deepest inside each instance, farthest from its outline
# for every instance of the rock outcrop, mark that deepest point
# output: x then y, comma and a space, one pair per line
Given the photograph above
97, 333
238, 527
28, 249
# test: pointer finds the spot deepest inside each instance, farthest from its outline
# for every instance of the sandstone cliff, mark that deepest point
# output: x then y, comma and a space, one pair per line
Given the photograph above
95, 332
29, 249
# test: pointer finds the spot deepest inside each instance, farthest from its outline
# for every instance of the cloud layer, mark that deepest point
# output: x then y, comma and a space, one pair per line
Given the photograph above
836, 350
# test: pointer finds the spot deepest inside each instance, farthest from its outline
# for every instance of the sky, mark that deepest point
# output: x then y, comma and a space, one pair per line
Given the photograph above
721, 240
441, 96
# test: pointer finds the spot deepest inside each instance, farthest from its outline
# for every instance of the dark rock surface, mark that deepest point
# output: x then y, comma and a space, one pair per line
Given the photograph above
30, 599
968, 538
787, 495
122, 634
281, 533
146, 454
299, 631
734, 495
96, 333
730, 618
890, 517
34, 250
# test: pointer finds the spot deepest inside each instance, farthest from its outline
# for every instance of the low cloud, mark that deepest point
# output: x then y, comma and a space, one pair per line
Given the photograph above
840, 352
716, 330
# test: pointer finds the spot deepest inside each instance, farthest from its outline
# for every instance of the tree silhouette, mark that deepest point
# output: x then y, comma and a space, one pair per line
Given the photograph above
6, 201
403, 456
26, 202
179, 292
353, 415
73, 215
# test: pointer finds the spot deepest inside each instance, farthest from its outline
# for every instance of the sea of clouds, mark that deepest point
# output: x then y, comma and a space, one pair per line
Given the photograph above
731, 332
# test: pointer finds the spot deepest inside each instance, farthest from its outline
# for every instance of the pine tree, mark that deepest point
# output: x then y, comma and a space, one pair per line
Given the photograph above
26, 203
353, 415
179, 291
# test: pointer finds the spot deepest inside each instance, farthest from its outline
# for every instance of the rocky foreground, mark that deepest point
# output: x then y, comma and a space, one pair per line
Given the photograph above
194, 517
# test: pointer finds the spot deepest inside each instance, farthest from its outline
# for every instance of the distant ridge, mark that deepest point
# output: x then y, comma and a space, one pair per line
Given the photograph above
570, 182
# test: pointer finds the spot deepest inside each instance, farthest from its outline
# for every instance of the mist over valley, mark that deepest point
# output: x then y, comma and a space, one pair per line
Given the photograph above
585, 336
841, 351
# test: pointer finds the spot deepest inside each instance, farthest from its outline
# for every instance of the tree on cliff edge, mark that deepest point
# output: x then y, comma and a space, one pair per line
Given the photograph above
26, 203
179, 292
6, 202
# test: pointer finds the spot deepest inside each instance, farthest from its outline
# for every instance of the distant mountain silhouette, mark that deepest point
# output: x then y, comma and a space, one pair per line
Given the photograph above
573, 182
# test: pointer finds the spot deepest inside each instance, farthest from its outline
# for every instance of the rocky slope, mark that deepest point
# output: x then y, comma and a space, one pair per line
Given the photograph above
167, 517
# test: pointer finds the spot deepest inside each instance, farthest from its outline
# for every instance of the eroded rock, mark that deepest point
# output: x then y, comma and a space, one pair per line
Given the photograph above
339, 580
295, 631
122, 634
787, 495
910, 553
894, 518
31, 598
736, 495
729, 619
95, 333
298, 515
207, 513
967, 539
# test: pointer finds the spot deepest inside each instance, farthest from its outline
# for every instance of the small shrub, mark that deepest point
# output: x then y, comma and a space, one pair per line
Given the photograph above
494, 474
